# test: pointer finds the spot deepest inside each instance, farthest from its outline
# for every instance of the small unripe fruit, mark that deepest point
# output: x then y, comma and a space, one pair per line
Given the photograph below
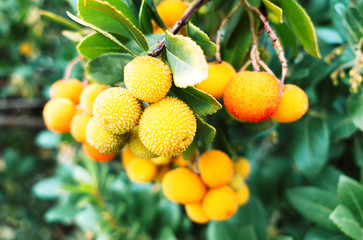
58, 114
236, 182
116, 110
167, 127
242, 167
161, 160
147, 78
79, 126
243, 194
89, 94
171, 11
183, 186
70, 89
141, 170
94, 154
219, 75
294, 104
103, 140
220, 203
136, 146
216, 168
252, 96
196, 213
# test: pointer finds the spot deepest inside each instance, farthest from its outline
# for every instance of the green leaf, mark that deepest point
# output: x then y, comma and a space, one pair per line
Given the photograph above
310, 145
318, 233
314, 204
288, 41
145, 18
155, 14
190, 151
341, 127
63, 213
106, 34
350, 193
186, 60
205, 131
115, 13
202, 39
282, 238
352, 22
358, 151
328, 178
88, 218
200, 102
56, 18
229, 231
355, 109
48, 188
274, 12
97, 44
108, 69
47, 139
301, 25
346, 222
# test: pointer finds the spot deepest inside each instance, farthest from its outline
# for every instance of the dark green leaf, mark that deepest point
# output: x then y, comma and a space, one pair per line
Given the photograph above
355, 109
230, 231
288, 41
314, 204
328, 178
108, 68
202, 39
63, 213
353, 20
346, 222
145, 18
341, 127
205, 131
282, 238
48, 188
301, 25
318, 233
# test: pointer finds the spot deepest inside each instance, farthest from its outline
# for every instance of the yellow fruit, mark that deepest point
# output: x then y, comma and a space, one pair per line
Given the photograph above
294, 104
116, 110
79, 126
236, 182
141, 170
171, 11
127, 156
89, 94
220, 203
196, 213
252, 96
167, 127
70, 89
161, 160
103, 140
162, 171
242, 167
94, 154
216, 168
219, 75
180, 161
183, 186
243, 194
136, 146
147, 78
58, 114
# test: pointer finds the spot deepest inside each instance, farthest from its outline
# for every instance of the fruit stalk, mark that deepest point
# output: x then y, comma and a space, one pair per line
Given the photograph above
68, 70
178, 25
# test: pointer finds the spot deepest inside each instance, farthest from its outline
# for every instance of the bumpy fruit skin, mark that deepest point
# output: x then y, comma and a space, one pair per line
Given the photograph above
216, 168
103, 140
243, 194
219, 75
127, 156
294, 104
141, 170
79, 126
196, 213
147, 78
252, 96
116, 110
94, 154
167, 127
136, 146
70, 89
242, 167
171, 11
183, 186
220, 203
89, 94
58, 114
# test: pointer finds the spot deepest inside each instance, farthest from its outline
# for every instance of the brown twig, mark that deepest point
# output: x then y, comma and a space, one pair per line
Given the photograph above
255, 56
178, 25
69, 68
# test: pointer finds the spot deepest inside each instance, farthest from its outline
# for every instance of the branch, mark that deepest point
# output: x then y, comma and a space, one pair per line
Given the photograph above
178, 25
255, 55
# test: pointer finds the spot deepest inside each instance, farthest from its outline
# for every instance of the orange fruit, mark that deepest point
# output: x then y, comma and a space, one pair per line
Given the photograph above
183, 186
216, 168
127, 156
89, 94
236, 182
294, 104
180, 161
252, 96
94, 154
58, 114
162, 170
141, 170
242, 167
70, 89
243, 194
196, 213
220, 203
79, 126
219, 75
171, 11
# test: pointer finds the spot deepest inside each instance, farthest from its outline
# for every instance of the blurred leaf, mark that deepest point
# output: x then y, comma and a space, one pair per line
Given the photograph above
47, 139
88, 219
310, 145
170, 214
202, 39
81, 175
282, 238
97, 44
229, 231
314, 204
352, 22
205, 131
186, 60
289, 42
328, 178
200, 102
108, 68
145, 17
301, 25
63, 213
166, 233
318, 233
274, 12
358, 151
350, 193
56, 18
346, 222
48, 188
341, 127
355, 109
329, 35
